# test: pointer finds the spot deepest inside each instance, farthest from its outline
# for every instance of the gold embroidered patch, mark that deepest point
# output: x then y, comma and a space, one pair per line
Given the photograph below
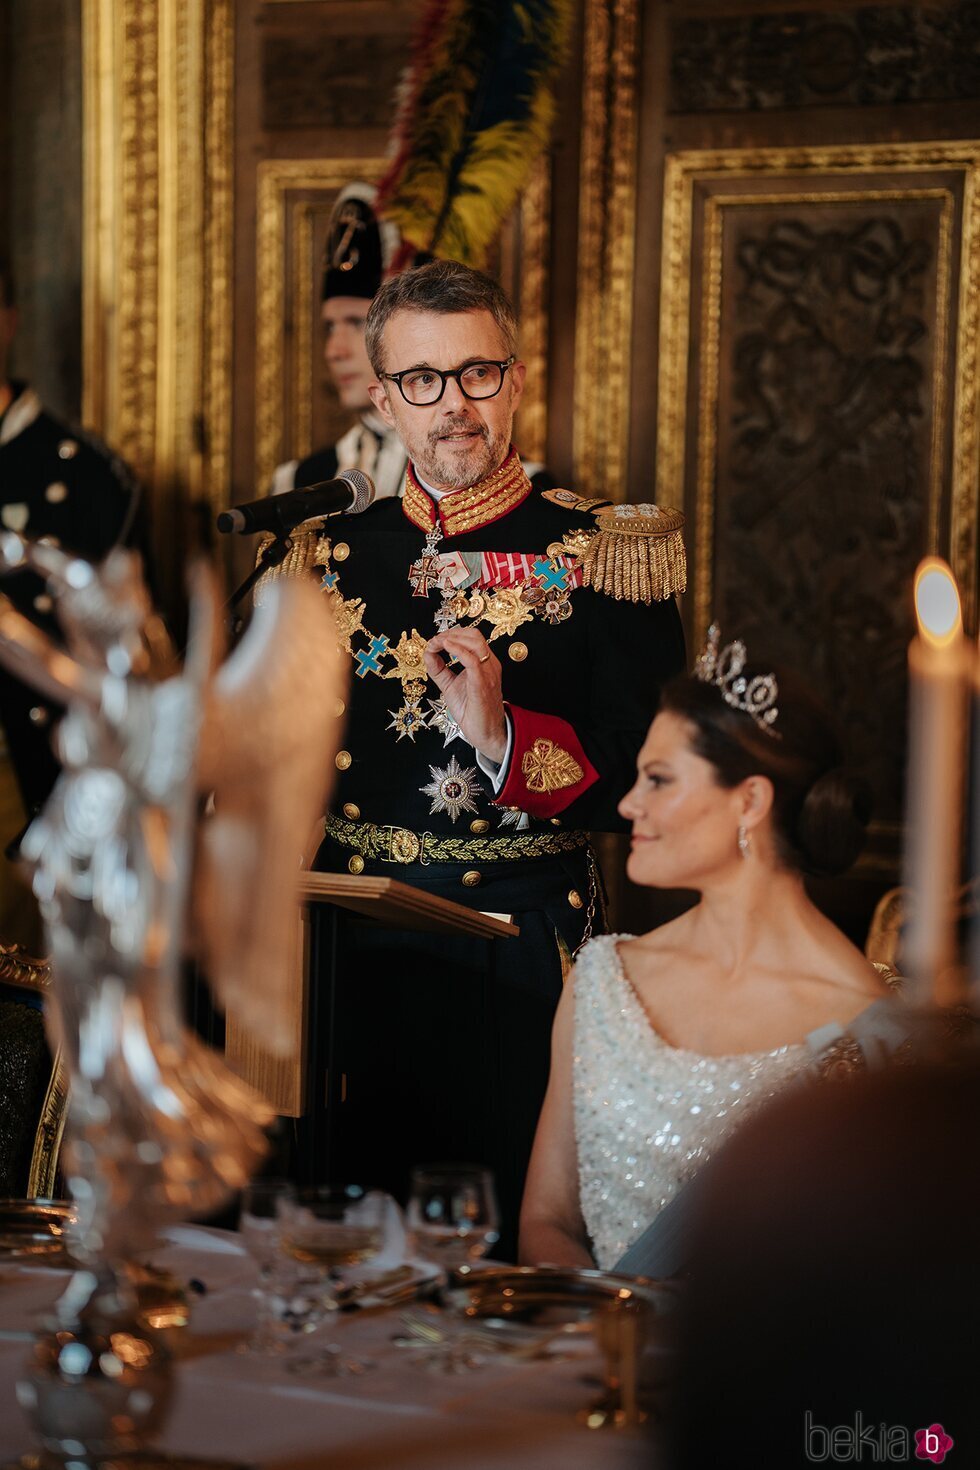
547, 767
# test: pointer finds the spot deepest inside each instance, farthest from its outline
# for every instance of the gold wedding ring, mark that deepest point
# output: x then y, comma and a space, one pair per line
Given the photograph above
485, 657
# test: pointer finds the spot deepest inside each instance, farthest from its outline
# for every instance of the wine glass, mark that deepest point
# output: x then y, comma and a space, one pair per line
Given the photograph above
452, 1209
322, 1229
259, 1224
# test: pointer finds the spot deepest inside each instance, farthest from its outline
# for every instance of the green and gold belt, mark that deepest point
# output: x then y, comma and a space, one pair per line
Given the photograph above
391, 844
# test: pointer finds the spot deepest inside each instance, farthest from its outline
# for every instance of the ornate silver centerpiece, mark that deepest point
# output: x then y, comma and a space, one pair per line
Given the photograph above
159, 1129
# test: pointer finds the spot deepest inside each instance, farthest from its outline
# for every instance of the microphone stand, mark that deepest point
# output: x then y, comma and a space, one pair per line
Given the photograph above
275, 552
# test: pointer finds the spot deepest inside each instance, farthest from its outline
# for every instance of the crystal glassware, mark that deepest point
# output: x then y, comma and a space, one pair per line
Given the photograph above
260, 1226
322, 1230
452, 1210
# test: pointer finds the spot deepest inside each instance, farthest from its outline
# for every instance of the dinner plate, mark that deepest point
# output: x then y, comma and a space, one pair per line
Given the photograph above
33, 1228
520, 1301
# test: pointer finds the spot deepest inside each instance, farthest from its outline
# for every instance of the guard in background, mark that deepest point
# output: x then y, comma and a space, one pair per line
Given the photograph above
358, 251
63, 484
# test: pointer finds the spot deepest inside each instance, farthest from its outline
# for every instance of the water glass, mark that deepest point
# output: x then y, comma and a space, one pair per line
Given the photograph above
259, 1225
321, 1230
452, 1210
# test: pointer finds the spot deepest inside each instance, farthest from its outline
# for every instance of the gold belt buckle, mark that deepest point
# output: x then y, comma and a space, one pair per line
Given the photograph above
403, 845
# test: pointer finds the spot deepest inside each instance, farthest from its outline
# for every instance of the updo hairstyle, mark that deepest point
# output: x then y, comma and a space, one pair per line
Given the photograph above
820, 811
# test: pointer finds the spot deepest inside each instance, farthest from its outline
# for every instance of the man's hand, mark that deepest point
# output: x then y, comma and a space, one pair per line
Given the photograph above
472, 694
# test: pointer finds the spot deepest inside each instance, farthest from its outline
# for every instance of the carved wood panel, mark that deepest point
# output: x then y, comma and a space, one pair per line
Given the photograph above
818, 309
872, 55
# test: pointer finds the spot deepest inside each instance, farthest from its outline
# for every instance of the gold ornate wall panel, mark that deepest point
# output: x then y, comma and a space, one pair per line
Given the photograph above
157, 92
818, 403
603, 329
295, 199
532, 295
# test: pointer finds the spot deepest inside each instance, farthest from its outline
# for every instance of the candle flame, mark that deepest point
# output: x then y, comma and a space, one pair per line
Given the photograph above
937, 602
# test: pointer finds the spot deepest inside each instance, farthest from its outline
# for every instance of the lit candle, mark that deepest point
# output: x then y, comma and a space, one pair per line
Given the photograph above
938, 674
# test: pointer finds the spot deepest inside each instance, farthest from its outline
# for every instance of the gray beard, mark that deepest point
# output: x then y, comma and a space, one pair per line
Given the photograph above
434, 471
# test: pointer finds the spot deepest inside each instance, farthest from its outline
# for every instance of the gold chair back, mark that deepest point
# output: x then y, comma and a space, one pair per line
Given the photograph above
34, 1086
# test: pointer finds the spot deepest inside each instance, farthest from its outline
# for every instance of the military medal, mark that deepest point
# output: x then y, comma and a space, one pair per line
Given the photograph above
453, 790
445, 617
424, 571
440, 719
556, 608
408, 720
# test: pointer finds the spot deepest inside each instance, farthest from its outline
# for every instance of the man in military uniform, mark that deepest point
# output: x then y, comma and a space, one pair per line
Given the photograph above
63, 485
508, 648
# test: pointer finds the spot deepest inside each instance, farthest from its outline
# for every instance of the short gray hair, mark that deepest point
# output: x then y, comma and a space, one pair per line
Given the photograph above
443, 286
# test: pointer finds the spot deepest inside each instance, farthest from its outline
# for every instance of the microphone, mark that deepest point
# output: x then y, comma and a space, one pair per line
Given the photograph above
351, 492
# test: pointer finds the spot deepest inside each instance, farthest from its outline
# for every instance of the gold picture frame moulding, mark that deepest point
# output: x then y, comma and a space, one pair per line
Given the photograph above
606, 248
810, 166
157, 238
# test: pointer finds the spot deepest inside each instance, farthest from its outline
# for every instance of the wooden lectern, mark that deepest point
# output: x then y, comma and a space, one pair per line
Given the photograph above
305, 1084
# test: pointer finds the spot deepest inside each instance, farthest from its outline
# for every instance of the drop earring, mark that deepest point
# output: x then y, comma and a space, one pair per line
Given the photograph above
744, 842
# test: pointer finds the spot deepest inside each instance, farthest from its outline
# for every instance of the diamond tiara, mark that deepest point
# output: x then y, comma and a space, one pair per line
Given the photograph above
756, 697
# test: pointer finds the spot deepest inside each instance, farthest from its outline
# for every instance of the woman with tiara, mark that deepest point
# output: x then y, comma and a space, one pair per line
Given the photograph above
664, 1042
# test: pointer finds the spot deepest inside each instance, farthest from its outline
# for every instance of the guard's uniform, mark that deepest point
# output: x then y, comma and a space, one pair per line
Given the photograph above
444, 1043
56, 482
369, 446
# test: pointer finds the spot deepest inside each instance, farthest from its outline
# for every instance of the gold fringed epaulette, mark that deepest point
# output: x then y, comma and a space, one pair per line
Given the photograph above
637, 553
310, 548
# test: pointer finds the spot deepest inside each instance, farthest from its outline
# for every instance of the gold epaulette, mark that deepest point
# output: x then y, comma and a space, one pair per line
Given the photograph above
310, 548
637, 553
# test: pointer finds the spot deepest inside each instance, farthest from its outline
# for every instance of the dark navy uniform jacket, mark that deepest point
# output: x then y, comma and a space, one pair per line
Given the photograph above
57, 482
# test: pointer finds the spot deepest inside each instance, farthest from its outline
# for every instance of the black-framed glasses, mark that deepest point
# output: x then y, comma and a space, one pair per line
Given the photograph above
424, 386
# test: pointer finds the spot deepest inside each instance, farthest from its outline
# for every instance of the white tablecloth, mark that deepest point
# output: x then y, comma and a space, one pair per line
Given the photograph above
519, 1415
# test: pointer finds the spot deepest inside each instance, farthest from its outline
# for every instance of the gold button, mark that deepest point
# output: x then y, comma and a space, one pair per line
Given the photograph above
342, 760
352, 811
518, 652
339, 708
39, 715
341, 551
574, 898
356, 864
479, 826
556, 821
471, 879
67, 449
56, 493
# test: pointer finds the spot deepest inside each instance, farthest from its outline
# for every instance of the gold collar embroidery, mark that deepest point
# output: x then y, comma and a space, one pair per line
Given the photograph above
472, 508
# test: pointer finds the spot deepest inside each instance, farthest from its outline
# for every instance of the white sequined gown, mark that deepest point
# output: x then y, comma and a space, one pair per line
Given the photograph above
647, 1114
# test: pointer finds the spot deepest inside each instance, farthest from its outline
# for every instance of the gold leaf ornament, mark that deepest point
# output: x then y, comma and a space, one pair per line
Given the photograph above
548, 767
506, 611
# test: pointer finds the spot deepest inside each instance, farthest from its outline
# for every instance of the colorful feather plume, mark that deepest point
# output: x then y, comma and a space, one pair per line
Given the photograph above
475, 111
